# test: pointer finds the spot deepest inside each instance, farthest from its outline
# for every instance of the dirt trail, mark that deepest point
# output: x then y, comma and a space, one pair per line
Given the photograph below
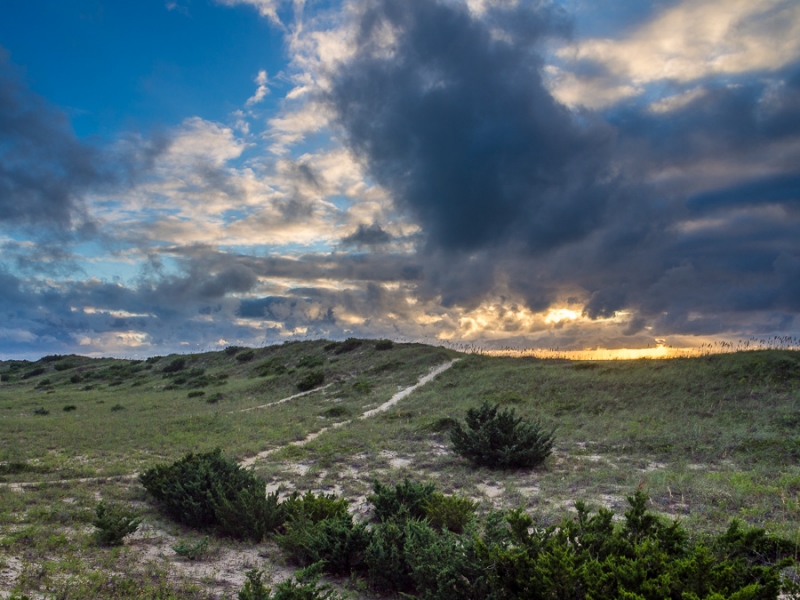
250, 461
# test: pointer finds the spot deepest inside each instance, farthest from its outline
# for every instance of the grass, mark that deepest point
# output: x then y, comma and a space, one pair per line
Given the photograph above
708, 438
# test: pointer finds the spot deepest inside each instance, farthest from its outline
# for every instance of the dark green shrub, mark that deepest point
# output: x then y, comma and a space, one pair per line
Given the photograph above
70, 408
195, 394
405, 498
44, 382
246, 356
310, 381
362, 386
441, 425
213, 399
177, 364
392, 365
330, 346
494, 438
33, 373
208, 490
269, 367
5, 377
449, 512
233, 350
314, 508
42, 411
194, 551
51, 358
336, 541
384, 345
311, 362
152, 360
64, 366
76, 378
348, 345
335, 412
116, 407
385, 557
113, 523
303, 586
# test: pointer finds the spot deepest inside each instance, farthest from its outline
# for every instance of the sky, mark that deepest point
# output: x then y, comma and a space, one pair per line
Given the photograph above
183, 175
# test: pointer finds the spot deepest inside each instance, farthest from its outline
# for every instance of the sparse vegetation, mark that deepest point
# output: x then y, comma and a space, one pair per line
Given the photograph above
733, 452
310, 381
192, 551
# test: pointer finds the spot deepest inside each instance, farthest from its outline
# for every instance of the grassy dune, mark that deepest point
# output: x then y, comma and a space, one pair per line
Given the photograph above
707, 438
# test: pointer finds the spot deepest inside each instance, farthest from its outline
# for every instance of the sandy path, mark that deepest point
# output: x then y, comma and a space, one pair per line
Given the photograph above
248, 462
283, 399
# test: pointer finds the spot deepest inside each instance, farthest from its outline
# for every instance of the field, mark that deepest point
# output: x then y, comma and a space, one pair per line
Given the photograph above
707, 438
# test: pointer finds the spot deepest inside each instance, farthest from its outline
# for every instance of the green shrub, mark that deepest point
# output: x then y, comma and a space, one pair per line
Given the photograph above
76, 378
113, 523
233, 350
177, 364
405, 498
494, 438
246, 356
5, 377
384, 345
335, 412
362, 386
441, 425
348, 345
208, 490
449, 512
33, 373
336, 541
195, 394
152, 360
303, 586
311, 362
314, 508
116, 407
310, 381
269, 367
41, 411
213, 399
194, 551
385, 557
44, 382
70, 408
64, 366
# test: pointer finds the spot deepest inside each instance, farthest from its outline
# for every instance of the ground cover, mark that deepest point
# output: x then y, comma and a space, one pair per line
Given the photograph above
707, 438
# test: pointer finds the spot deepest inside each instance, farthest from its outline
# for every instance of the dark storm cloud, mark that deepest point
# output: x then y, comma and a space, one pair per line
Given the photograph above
45, 170
458, 125
367, 235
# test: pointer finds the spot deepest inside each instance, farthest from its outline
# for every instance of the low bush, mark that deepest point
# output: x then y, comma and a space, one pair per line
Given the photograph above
177, 364
33, 373
214, 398
303, 586
113, 523
194, 551
41, 411
116, 407
77, 378
70, 408
196, 394
348, 345
405, 498
452, 513
64, 366
44, 382
246, 356
385, 557
5, 377
314, 508
334, 412
269, 367
384, 345
337, 542
310, 381
499, 439
362, 386
311, 362
233, 350
209, 490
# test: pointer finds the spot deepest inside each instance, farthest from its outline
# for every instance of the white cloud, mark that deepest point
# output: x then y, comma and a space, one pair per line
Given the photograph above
261, 91
684, 43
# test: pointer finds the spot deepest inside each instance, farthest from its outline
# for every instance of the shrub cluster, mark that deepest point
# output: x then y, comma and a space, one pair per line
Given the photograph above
499, 439
211, 491
432, 546
310, 381
384, 345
